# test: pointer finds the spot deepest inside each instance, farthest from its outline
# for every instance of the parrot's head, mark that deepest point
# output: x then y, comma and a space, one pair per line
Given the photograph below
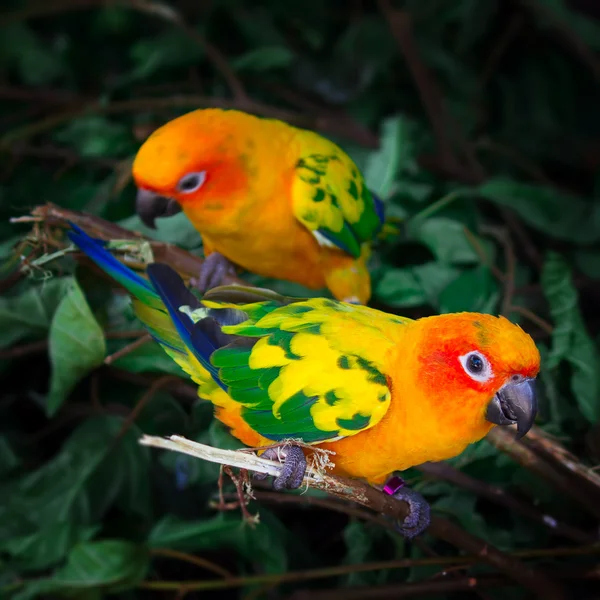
481, 369
193, 160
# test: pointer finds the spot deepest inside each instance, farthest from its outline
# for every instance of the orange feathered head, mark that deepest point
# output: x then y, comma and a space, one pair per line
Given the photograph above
194, 157
481, 366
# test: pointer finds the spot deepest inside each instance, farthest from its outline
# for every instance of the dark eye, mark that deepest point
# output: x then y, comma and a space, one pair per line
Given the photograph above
475, 364
191, 182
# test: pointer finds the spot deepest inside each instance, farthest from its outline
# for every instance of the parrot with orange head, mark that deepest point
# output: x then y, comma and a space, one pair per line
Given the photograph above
276, 200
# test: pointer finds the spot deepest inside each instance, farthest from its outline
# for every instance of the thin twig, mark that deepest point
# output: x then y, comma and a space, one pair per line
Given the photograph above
500, 496
342, 126
568, 34
24, 350
551, 449
508, 35
137, 409
439, 587
529, 314
401, 27
128, 349
203, 563
503, 238
504, 440
312, 574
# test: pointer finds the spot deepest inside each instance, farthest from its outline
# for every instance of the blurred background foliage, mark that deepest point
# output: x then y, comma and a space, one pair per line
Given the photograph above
476, 121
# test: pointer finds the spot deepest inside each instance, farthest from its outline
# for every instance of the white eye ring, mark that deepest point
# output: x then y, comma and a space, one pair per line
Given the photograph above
476, 366
191, 182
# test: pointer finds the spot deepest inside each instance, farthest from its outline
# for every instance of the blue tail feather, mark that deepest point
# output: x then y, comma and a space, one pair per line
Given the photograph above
96, 250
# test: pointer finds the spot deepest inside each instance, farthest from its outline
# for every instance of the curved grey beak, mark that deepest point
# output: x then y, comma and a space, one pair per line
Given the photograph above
514, 403
149, 206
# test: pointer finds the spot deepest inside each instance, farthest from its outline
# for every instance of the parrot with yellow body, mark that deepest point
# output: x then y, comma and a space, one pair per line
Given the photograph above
383, 392
276, 200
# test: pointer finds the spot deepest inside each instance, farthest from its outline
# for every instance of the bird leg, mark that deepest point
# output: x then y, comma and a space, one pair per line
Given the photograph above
294, 467
418, 518
215, 268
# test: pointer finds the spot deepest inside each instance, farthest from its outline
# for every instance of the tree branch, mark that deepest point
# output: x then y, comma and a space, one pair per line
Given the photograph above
504, 440
499, 496
369, 497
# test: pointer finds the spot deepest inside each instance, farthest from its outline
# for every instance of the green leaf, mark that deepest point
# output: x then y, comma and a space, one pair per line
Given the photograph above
81, 483
92, 135
563, 216
395, 155
359, 539
122, 477
173, 532
570, 339
30, 313
37, 62
262, 543
48, 545
111, 564
415, 286
162, 52
264, 59
176, 229
77, 345
474, 290
446, 239
8, 459
149, 357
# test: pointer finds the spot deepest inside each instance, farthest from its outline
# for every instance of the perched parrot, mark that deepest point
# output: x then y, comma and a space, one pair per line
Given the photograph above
383, 392
278, 201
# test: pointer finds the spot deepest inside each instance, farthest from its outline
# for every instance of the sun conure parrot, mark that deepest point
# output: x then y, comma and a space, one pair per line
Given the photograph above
278, 201
382, 391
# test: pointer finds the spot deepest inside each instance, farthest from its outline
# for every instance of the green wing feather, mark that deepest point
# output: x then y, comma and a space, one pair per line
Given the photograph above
299, 371
331, 198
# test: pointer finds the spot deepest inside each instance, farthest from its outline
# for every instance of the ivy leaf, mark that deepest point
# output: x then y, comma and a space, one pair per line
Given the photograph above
396, 154
77, 345
111, 564
264, 59
30, 313
446, 238
570, 339
415, 286
544, 208
48, 545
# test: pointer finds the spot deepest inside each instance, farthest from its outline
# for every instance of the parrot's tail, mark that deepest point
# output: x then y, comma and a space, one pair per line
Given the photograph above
173, 316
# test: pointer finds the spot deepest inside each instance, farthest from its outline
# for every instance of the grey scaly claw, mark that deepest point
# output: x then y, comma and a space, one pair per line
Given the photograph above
418, 518
294, 467
214, 270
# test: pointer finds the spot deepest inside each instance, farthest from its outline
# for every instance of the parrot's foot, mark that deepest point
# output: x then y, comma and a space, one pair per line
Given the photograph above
294, 467
418, 518
215, 268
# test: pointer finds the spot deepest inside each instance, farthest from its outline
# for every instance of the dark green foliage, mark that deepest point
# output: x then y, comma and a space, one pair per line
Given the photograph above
511, 225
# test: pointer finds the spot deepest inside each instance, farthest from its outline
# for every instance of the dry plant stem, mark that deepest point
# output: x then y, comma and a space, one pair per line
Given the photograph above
183, 262
364, 494
499, 496
504, 440
336, 571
